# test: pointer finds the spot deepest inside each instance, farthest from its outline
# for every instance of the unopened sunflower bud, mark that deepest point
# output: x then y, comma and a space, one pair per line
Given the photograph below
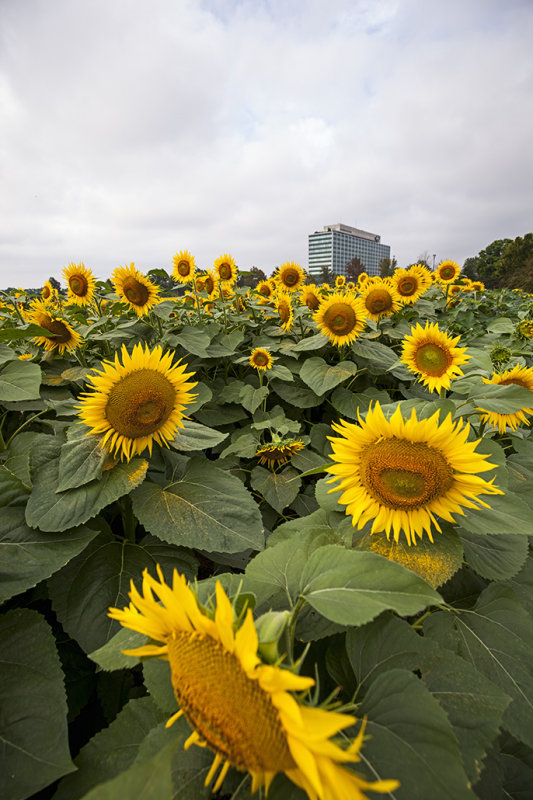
270, 627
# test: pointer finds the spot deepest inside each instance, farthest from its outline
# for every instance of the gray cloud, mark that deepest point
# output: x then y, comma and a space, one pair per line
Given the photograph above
130, 132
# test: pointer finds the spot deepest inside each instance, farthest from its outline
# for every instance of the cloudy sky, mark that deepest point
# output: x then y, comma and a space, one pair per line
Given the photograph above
130, 130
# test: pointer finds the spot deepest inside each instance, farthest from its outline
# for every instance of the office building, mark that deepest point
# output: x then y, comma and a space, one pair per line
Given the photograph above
335, 246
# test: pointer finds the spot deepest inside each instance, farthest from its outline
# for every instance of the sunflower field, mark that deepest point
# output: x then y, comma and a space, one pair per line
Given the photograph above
266, 541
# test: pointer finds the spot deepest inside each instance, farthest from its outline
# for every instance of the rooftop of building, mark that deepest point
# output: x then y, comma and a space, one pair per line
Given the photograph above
339, 226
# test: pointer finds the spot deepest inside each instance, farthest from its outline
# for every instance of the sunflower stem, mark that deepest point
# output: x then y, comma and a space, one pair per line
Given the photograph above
290, 630
26, 422
129, 521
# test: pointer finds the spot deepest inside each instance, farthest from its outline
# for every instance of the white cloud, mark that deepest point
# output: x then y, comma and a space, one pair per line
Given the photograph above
132, 131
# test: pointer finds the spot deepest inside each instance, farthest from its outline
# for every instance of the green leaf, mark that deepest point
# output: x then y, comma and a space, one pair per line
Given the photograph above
52, 511
327, 501
508, 514
495, 557
159, 684
100, 577
28, 556
314, 342
110, 656
500, 398
81, 460
18, 457
194, 436
26, 332
473, 704
193, 340
329, 523
207, 508
375, 352
33, 723
348, 403
278, 488
501, 325
352, 587
251, 398
496, 638
20, 380
296, 394
7, 354
321, 376
410, 738
12, 490
202, 394
112, 750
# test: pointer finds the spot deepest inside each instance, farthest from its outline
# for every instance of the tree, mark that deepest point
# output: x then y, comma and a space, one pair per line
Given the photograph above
55, 284
487, 261
515, 255
327, 275
354, 268
426, 259
470, 268
387, 266
251, 277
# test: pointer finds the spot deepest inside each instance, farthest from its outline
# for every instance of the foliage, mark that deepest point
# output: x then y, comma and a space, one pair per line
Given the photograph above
432, 643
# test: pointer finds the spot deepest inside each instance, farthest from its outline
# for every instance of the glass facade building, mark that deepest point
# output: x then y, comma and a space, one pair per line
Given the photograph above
336, 245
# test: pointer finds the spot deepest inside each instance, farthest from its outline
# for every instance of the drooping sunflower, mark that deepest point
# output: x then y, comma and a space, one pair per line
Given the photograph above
521, 376
478, 286
135, 289
81, 284
433, 355
47, 291
138, 401
279, 452
285, 310
184, 267
448, 271
341, 318
62, 334
379, 299
310, 296
237, 706
402, 474
411, 283
225, 269
261, 359
290, 276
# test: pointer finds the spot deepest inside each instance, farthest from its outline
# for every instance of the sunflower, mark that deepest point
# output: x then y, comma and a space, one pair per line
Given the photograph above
63, 336
362, 278
310, 296
341, 318
279, 452
521, 376
184, 267
447, 271
478, 286
135, 289
138, 401
238, 707
433, 355
261, 359
410, 283
401, 474
380, 299
265, 290
81, 284
290, 276
47, 291
340, 280
225, 269
524, 329
284, 309
455, 289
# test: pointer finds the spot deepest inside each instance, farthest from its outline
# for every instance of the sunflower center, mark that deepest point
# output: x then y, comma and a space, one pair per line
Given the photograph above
46, 293
59, 329
378, 301
290, 277
184, 268
231, 711
407, 286
340, 318
266, 291
447, 273
137, 293
209, 284
78, 285
284, 311
261, 359
140, 403
312, 302
224, 271
432, 359
403, 475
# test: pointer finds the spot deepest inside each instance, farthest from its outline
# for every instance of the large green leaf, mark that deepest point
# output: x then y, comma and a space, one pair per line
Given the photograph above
112, 750
251, 398
496, 637
28, 556
314, 342
349, 404
207, 508
50, 510
194, 436
410, 738
26, 332
495, 557
296, 394
81, 460
110, 656
278, 488
20, 380
507, 514
100, 577
500, 398
12, 490
375, 352
352, 587
18, 456
321, 376
33, 722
